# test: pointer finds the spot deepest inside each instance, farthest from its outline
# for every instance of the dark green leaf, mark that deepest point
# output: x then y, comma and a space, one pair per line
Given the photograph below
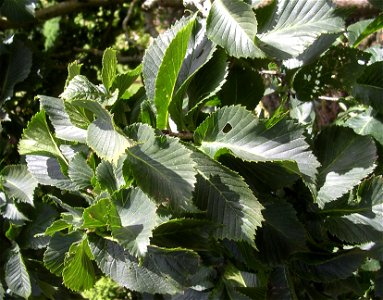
56, 251
346, 159
79, 172
162, 167
18, 11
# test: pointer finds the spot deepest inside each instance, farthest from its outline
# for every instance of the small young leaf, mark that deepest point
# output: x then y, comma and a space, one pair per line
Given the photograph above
78, 273
37, 139
16, 274
74, 69
60, 120
57, 226
18, 183
97, 215
109, 67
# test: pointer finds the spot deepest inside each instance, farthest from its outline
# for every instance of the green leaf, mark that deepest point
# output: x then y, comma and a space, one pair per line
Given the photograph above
367, 123
125, 270
17, 68
106, 176
109, 67
12, 213
296, 24
372, 27
369, 86
243, 86
79, 172
74, 69
346, 159
57, 226
123, 81
78, 273
227, 199
18, 183
363, 222
238, 131
282, 233
103, 136
162, 168
232, 25
56, 251
37, 139
138, 219
98, 214
168, 73
64, 129
327, 268
47, 171
31, 237
16, 274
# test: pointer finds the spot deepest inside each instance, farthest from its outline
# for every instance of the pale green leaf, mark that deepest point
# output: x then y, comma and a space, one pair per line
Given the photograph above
12, 213
372, 27
232, 25
79, 172
168, 73
122, 82
367, 123
74, 69
57, 226
227, 199
296, 24
97, 215
346, 159
238, 131
126, 271
109, 67
16, 274
80, 88
37, 139
162, 168
355, 30
60, 120
47, 171
155, 53
138, 218
18, 183
103, 136
56, 251
78, 273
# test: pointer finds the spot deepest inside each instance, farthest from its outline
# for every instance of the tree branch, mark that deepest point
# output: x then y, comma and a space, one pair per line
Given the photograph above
59, 9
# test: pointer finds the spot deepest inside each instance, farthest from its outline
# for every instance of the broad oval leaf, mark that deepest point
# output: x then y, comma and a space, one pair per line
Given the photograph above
296, 24
232, 25
16, 274
227, 199
162, 168
126, 271
238, 131
138, 216
18, 183
79, 172
346, 159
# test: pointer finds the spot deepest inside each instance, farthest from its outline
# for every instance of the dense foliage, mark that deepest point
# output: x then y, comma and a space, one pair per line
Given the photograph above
187, 187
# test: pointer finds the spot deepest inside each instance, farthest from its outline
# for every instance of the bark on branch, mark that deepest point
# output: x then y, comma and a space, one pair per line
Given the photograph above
59, 9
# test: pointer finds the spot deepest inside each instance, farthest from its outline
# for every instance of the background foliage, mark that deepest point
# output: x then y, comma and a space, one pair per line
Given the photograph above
238, 157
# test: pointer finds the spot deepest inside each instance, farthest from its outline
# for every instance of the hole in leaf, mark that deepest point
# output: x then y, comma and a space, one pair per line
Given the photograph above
227, 128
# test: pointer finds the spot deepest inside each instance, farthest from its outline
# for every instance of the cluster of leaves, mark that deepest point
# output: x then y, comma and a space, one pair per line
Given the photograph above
181, 191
